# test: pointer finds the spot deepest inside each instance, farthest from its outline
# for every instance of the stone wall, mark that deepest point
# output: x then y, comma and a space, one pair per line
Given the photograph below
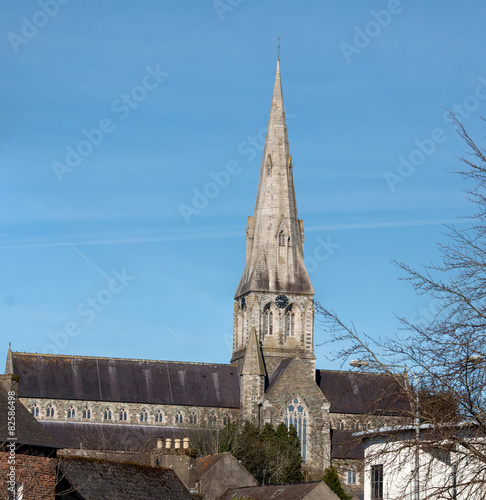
171, 415
296, 382
279, 345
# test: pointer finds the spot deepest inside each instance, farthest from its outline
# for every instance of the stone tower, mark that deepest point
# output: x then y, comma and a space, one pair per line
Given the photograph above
275, 294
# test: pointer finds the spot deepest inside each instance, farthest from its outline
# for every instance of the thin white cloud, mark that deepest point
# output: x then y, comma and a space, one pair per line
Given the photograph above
212, 234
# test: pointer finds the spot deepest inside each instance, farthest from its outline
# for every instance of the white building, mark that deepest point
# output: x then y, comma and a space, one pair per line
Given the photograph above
447, 469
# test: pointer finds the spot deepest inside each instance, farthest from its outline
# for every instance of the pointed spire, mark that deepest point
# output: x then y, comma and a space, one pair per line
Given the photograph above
253, 364
274, 253
9, 363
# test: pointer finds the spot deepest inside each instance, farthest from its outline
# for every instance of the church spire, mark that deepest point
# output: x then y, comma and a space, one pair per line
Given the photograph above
275, 235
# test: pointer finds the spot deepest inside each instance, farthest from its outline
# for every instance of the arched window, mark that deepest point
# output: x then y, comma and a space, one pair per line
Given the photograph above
86, 413
226, 420
281, 238
212, 420
290, 322
296, 415
34, 410
107, 414
269, 169
267, 321
144, 415
179, 418
50, 411
71, 413
123, 415
159, 417
193, 419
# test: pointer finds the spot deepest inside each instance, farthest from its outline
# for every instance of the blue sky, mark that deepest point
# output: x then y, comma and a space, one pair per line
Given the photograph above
96, 255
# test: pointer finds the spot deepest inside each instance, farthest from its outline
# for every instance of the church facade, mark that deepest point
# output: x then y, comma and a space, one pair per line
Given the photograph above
271, 378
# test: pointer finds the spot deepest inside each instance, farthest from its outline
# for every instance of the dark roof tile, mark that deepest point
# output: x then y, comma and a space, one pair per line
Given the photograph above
96, 479
363, 393
126, 380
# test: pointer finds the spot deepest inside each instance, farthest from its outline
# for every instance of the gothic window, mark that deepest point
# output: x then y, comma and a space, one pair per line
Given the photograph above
34, 410
356, 426
281, 238
297, 416
179, 418
212, 420
267, 321
86, 413
290, 322
269, 169
107, 414
158, 417
339, 426
71, 413
193, 418
351, 479
377, 482
144, 415
50, 411
123, 415
226, 420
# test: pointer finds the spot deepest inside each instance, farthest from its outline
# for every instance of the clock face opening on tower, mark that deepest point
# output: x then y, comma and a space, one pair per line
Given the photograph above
282, 301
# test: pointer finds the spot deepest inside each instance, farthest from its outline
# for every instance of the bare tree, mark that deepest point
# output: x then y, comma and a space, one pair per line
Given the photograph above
444, 358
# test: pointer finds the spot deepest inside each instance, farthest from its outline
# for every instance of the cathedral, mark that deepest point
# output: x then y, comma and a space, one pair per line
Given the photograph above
94, 402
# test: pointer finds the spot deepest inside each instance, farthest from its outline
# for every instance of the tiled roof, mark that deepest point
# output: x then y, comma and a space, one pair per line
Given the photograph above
362, 393
27, 430
95, 479
345, 445
278, 492
125, 437
126, 380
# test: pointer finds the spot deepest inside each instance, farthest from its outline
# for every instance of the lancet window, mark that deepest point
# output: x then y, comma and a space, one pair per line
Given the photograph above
290, 322
267, 321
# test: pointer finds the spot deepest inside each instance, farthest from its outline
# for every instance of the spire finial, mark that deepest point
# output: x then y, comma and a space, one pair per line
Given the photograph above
278, 52
10, 346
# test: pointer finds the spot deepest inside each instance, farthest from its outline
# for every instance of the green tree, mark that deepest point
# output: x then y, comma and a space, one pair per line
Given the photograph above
331, 478
271, 455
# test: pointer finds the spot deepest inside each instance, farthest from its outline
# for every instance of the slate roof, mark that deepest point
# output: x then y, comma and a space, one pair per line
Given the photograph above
362, 393
96, 479
116, 437
345, 445
27, 430
126, 380
277, 491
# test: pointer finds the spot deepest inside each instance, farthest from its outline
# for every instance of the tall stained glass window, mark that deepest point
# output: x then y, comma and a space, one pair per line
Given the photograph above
297, 416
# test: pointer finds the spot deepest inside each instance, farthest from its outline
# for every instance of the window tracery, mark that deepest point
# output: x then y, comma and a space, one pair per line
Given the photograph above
296, 415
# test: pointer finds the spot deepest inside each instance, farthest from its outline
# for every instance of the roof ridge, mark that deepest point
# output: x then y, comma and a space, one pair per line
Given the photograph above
47, 355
